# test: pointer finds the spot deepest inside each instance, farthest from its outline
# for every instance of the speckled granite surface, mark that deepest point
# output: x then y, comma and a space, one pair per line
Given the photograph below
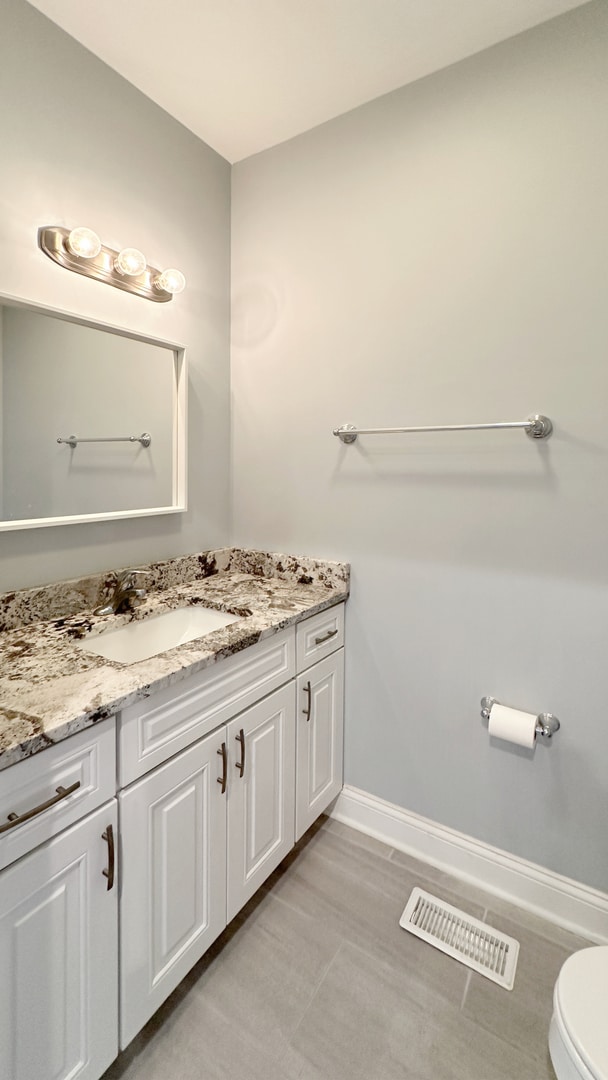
65, 598
50, 689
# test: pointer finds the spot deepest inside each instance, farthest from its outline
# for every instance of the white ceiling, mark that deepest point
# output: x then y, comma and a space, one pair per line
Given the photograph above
244, 75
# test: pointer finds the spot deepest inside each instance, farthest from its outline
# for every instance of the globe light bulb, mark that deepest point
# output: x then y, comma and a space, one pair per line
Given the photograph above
171, 281
130, 262
84, 243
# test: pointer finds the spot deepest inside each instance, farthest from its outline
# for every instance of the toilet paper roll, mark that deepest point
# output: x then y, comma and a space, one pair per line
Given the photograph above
513, 725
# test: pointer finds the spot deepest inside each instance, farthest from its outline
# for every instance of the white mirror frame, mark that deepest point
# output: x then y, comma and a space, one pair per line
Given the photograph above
180, 413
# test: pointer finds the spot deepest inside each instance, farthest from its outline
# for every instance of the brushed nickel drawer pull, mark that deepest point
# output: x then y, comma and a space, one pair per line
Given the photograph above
240, 738
326, 637
18, 819
223, 779
308, 690
108, 836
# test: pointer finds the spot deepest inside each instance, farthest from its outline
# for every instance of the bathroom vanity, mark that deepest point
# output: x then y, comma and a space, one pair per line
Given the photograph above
142, 805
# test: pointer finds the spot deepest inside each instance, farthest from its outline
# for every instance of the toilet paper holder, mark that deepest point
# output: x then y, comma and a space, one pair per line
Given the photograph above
546, 723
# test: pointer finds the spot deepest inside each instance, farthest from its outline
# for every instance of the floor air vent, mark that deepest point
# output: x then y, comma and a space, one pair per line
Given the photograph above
466, 939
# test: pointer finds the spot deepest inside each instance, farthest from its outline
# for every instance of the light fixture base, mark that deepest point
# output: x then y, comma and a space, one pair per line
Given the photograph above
52, 240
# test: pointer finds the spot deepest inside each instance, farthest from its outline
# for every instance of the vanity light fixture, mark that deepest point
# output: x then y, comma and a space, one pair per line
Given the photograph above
81, 250
83, 243
172, 281
130, 262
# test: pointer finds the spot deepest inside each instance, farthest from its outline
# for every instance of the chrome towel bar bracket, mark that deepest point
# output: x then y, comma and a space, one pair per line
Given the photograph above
535, 427
546, 723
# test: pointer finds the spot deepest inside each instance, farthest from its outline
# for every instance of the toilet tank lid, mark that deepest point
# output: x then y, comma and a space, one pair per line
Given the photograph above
581, 999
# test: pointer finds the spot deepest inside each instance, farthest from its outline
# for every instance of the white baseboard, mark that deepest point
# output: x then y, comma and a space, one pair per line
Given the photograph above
567, 903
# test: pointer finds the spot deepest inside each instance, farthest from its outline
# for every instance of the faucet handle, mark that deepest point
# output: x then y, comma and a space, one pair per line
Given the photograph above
123, 592
124, 577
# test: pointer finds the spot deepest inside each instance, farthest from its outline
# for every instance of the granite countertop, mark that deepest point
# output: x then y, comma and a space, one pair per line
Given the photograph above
51, 689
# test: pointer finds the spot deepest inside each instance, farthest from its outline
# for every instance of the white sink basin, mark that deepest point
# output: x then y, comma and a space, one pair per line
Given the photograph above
140, 640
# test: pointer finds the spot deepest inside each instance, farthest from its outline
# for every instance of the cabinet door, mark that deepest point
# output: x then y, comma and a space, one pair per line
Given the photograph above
173, 859
260, 794
59, 957
319, 738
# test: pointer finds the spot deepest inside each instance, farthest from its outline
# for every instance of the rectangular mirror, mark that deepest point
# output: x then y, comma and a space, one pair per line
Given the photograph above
92, 420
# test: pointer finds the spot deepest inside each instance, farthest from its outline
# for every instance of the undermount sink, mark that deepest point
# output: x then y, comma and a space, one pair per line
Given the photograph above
148, 637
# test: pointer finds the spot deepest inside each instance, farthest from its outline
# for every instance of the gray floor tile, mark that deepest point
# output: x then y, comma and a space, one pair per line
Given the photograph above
438, 879
315, 980
368, 1020
541, 927
520, 1016
354, 837
267, 973
361, 896
495, 905
197, 1045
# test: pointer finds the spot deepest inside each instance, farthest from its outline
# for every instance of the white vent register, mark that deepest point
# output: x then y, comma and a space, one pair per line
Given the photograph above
475, 944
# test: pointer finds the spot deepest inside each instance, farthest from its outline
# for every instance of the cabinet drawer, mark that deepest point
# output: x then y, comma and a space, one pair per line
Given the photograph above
87, 759
153, 730
319, 636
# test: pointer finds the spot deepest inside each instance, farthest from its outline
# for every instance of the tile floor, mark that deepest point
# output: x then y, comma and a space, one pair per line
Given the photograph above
315, 980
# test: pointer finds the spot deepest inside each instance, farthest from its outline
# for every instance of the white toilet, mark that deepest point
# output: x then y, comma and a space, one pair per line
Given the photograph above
578, 1037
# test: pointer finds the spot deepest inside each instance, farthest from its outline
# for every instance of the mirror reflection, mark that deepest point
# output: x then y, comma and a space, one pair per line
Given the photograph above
61, 378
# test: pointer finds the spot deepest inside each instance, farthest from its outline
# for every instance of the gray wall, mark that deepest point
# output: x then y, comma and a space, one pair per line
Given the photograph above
437, 255
79, 145
440, 256
1, 414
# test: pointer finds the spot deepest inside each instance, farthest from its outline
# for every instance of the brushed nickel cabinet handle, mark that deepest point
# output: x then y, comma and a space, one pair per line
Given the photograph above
223, 779
18, 819
108, 836
326, 637
240, 738
306, 711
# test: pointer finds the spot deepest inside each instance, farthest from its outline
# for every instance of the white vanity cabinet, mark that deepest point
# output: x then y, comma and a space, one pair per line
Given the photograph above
319, 715
261, 794
58, 916
173, 860
201, 831
320, 727
198, 837
217, 776
206, 814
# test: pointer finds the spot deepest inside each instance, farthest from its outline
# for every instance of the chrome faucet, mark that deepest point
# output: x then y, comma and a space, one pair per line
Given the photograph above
125, 593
